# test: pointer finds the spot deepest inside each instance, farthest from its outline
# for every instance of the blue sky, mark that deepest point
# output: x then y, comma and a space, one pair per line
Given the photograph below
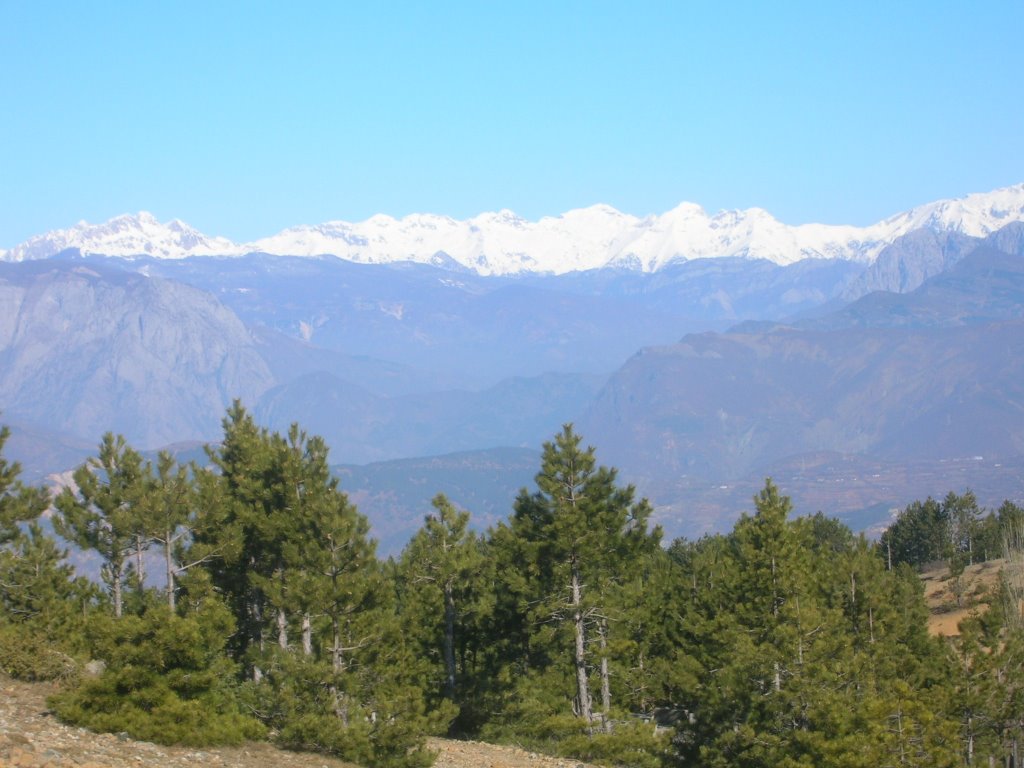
245, 118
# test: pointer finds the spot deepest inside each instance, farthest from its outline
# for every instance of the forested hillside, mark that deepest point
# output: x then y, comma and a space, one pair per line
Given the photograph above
570, 627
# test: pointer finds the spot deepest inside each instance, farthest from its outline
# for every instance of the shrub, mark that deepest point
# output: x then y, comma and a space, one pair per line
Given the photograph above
166, 681
25, 654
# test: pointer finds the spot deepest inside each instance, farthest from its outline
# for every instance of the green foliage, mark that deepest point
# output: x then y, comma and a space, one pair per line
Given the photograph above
568, 569
631, 743
105, 513
42, 605
954, 530
329, 669
166, 680
26, 654
18, 503
786, 642
367, 713
810, 652
441, 599
920, 535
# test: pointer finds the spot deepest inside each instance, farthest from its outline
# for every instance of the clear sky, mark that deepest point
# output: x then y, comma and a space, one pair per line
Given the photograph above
244, 118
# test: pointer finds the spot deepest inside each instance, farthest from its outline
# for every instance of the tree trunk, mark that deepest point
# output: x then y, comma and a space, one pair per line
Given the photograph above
449, 642
582, 684
116, 575
775, 590
970, 740
282, 629
606, 687
140, 572
282, 616
899, 734
337, 661
256, 611
307, 635
169, 562
337, 665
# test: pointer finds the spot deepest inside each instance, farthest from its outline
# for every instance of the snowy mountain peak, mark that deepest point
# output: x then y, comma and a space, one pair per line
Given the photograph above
976, 215
127, 235
502, 242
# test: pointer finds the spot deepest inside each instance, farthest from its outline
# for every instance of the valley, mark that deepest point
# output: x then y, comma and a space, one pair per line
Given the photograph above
858, 381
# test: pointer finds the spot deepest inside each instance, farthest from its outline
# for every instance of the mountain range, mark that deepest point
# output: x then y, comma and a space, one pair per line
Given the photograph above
502, 243
885, 372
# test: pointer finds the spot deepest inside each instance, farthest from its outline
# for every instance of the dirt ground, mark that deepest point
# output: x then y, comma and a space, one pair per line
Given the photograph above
30, 737
978, 583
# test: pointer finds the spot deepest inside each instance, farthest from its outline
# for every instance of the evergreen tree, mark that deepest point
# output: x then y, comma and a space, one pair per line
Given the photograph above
43, 608
439, 572
166, 679
18, 503
578, 538
810, 653
920, 535
294, 560
42, 604
103, 513
169, 510
242, 530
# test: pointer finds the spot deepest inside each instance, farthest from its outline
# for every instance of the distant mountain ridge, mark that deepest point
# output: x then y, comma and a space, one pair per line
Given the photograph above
891, 391
588, 238
854, 407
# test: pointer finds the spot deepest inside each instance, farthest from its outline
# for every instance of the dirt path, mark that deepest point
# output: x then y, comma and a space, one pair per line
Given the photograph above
30, 737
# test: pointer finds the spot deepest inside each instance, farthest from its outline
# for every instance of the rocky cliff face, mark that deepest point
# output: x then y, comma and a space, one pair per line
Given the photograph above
83, 352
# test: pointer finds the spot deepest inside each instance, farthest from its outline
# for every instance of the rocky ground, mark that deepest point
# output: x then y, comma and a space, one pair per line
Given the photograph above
30, 737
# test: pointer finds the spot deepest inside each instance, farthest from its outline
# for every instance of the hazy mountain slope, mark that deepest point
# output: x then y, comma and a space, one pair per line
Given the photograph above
289, 358
910, 260
85, 350
454, 330
1008, 239
714, 292
42, 451
913, 258
985, 285
363, 427
898, 383
724, 405
458, 330
396, 495
721, 409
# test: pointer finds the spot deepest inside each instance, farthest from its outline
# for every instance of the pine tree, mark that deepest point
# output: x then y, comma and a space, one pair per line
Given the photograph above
582, 536
439, 568
169, 510
242, 528
104, 512
920, 535
18, 503
810, 653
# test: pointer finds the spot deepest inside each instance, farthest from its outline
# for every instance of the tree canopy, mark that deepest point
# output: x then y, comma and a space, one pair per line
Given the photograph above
786, 641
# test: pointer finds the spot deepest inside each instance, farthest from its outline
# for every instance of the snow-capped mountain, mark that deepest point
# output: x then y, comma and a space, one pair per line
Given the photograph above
126, 235
586, 238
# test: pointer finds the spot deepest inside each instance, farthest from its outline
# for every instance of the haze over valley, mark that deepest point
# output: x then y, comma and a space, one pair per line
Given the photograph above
437, 355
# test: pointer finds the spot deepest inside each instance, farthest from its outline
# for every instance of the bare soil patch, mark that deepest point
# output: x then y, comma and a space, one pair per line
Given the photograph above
31, 737
978, 585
